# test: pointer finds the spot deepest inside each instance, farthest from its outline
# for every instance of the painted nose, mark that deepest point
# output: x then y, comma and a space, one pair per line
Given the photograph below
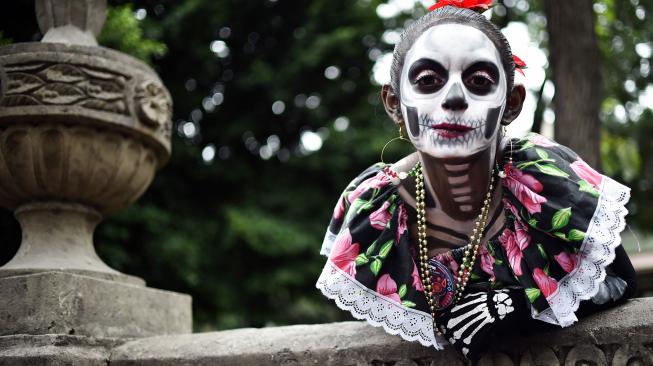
455, 99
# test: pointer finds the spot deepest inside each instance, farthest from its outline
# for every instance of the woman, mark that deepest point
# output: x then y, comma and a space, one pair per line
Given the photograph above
474, 233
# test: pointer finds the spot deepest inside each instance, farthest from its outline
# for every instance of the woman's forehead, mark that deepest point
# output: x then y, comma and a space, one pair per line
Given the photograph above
451, 42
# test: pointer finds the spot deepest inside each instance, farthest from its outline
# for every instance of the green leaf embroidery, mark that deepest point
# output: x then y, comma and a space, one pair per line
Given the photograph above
540, 247
385, 249
408, 304
576, 235
353, 209
498, 262
543, 154
561, 235
365, 207
551, 170
584, 186
533, 294
546, 269
532, 222
361, 259
561, 218
370, 249
527, 145
473, 276
402, 291
490, 249
375, 267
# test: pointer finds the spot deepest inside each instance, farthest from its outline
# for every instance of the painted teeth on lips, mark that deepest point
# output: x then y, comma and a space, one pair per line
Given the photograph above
450, 130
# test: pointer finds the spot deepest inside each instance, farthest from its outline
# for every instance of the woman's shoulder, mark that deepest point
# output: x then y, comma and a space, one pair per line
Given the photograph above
573, 216
370, 198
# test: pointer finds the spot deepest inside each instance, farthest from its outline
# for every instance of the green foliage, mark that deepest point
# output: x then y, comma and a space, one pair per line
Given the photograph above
241, 233
123, 32
3, 40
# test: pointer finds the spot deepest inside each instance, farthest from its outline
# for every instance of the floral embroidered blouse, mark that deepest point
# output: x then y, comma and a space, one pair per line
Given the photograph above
563, 223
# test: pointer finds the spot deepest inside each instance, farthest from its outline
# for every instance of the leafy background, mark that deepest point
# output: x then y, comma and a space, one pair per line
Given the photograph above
265, 141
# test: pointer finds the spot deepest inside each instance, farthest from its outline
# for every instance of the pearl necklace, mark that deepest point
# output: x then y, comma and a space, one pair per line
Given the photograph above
471, 251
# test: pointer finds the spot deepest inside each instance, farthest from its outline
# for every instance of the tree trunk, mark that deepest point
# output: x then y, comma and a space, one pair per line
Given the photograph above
575, 58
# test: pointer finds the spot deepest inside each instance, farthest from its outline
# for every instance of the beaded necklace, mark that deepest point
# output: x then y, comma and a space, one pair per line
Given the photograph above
471, 251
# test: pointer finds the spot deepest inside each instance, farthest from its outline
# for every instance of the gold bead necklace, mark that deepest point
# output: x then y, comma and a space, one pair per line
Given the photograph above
471, 250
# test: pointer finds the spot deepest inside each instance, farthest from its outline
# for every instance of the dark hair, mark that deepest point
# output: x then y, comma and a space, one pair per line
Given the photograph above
450, 14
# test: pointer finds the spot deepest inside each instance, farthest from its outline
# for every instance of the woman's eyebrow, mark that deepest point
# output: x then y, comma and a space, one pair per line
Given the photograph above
425, 63
483, 65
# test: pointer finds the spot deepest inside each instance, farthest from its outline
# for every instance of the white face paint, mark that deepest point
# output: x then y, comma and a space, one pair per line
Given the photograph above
453, 91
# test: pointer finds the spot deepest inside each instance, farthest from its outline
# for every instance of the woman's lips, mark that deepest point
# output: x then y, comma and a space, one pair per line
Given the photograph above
450, 130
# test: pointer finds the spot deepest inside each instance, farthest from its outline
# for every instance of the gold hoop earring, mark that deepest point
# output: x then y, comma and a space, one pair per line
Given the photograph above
386, 168
400, 137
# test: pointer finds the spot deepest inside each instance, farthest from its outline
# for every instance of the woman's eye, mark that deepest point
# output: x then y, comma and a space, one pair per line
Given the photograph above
428, 81
480, 83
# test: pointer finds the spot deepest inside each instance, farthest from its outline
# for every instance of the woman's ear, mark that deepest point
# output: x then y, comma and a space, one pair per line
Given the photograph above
391, 104
514, 103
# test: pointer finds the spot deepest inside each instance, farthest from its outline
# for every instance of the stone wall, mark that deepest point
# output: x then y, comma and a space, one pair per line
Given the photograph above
621, 336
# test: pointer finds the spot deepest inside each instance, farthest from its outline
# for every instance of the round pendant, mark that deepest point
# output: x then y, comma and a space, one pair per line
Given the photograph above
442, 283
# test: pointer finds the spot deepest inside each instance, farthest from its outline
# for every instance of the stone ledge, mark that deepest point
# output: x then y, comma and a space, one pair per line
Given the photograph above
51, 349
616, 337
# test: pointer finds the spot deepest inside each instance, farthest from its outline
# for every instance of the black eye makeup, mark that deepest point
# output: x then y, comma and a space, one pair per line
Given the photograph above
427, 76
481, 78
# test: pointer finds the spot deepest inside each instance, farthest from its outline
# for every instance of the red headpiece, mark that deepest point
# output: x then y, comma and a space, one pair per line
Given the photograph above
519, 64
476, 5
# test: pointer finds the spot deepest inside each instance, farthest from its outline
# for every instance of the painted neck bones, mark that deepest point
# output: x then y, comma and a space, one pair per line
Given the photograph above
453, 91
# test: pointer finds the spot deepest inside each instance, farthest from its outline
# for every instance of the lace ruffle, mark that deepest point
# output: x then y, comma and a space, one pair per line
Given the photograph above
596, 252
363, 303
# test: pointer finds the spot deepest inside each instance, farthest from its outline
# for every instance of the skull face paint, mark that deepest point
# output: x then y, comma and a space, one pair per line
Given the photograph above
453, 91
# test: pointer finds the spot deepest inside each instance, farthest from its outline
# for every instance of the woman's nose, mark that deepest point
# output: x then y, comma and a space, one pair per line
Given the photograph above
455, 99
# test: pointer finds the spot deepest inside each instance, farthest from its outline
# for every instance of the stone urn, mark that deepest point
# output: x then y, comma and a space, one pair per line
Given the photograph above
83, 129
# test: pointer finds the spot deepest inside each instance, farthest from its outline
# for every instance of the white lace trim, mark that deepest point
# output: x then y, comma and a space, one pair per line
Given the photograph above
379, 311
596, 252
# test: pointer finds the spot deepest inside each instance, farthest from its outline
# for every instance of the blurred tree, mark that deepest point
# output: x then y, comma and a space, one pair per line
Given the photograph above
574, 57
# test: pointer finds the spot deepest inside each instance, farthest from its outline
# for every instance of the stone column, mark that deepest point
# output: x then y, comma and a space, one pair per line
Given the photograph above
83, 129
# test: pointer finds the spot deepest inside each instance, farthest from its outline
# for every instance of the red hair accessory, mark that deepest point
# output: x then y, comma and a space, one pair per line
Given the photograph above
520, 65
476, 5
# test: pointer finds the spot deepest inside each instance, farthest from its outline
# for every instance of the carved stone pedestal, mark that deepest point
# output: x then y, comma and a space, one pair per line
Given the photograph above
83, 130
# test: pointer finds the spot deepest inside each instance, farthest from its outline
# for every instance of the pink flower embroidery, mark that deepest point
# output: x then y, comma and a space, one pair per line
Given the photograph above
525, 188
387, 287
509, 243
378, 181
339, 211
487, 261
403, 222
417, 282
521, 234
540, 140
586, 172
344, 253
566, 261
510, 206
379, 219
547, 284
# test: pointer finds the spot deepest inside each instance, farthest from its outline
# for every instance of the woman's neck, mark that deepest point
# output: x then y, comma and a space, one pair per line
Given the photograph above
459, 185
